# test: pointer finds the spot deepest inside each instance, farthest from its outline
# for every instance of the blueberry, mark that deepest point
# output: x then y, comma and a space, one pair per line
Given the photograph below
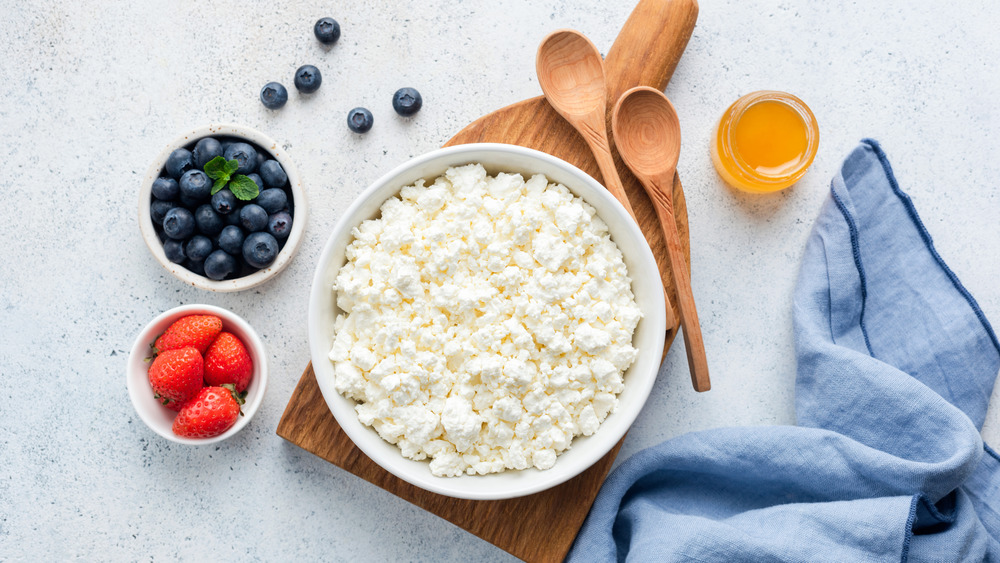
256, 180
205, 150
224, 202
189, 202
208, 221
158, 210
178, 223
272, 200
279, 225
231, 240
260, 249
360, 120
174, 249
196, 185
234, 216
219, 264
308, 79
253, 218
327, 30
179, 162
407, 101
261, 159
245, 155
195, 267
198, 248
165, 188
273, 174
273, 95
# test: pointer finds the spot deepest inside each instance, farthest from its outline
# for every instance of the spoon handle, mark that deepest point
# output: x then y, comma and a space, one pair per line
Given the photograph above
606, 164
694, 345
601, 148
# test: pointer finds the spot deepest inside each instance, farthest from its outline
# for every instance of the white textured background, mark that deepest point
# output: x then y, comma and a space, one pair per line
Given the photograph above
89, 94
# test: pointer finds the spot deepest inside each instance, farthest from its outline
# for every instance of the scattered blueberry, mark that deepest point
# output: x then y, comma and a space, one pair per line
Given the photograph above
253, 218
360, 120
280, 225
198, 248
158, 210
195, 185
407, 101
260, 249
308, 79
244, 154
209, 222
273, 174
256, 180
174, 249
206, 149
231, 240
224, 202
219, 264
195, 267
179, 162
178, 223
327, 30
273, 95
272, 200
165, 188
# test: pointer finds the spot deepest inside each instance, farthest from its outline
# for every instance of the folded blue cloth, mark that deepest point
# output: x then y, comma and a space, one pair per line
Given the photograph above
896, 364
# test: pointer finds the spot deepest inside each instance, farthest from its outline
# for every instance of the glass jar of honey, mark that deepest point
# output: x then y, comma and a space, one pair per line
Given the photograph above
765, 141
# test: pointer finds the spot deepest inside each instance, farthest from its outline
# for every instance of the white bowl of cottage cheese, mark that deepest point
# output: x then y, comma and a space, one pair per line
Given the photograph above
486, 321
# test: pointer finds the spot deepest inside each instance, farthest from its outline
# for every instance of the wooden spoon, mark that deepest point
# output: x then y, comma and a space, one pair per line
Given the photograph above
648, 136
571, 72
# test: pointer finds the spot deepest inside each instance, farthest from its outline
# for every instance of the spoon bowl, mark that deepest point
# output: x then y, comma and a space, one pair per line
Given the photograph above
647, 132
571, 73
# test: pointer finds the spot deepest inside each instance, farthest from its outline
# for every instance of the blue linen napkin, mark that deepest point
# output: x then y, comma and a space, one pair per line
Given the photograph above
896, 364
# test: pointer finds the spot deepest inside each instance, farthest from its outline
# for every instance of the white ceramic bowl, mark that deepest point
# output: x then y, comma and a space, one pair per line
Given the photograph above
160, 418
298, 201
648, 338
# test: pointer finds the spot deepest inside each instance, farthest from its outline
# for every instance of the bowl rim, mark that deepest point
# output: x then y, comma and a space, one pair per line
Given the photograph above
295, 237
360, 434
137, 380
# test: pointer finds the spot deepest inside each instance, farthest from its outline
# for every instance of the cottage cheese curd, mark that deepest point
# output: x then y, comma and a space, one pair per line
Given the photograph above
487, 322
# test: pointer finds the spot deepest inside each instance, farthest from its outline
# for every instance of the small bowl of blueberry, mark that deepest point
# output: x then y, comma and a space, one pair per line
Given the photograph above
222, 208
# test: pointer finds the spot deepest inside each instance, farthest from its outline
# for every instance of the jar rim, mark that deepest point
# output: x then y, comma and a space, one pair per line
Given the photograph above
736, 112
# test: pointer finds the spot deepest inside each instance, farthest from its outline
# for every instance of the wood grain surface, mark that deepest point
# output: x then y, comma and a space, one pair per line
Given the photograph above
539, 527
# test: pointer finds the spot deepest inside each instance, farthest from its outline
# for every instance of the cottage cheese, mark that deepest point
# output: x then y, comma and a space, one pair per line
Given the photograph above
487, 322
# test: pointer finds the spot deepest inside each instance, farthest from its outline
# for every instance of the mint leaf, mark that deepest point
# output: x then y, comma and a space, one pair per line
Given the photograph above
215, 168
243, 188
231, 167
219, 184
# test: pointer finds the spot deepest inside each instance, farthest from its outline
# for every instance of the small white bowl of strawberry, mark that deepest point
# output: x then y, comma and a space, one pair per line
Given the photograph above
197, 374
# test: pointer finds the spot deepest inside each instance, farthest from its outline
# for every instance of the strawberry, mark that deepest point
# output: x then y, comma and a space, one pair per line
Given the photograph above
193, 330
213, 411
176, 376
227, 361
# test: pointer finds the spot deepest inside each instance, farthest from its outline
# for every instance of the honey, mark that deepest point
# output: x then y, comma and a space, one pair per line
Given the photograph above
765, 142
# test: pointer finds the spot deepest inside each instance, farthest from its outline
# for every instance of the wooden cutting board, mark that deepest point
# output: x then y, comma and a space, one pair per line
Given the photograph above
539, 527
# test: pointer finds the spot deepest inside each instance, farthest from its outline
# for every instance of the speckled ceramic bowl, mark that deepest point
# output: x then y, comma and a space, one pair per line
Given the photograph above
300, 206
159, 418
648, 337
